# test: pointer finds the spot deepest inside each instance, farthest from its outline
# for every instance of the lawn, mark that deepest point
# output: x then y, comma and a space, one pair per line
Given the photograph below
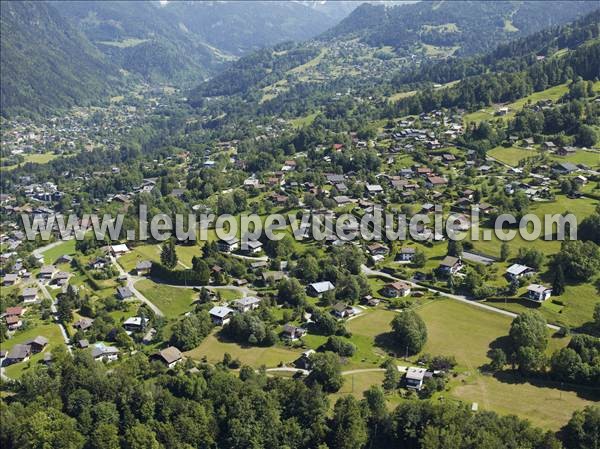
356, 384
543, 404
144, 252
213, 349
66, 247
50, 331
172, 301
512, 155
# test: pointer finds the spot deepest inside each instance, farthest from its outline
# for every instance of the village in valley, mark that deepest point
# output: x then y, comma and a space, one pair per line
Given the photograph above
326, 130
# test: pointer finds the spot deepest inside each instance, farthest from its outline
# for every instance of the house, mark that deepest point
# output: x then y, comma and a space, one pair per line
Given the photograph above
228, 245
373, 189
10, 279
516, 271
124, 293
134, 323
371, 301
451, 265
18, 353
83, 343
106, 353
538, 292
292, 332
397, 289
342, 310
65, 258
414, 378
304, 361
169, 356
377, 249
13, 322
37, 344
61, 278
14, 311
149, 336
29, 295
548, 146
143, 267
246, 304
83, 324
435, 181
119, 250
98, 263
272, 276
220, 315
318, 288
342, 200
565, 168
406, 254
47, 271
252, 247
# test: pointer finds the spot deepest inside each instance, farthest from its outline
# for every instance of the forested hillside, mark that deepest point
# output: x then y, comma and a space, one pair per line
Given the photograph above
46, 63
464, 27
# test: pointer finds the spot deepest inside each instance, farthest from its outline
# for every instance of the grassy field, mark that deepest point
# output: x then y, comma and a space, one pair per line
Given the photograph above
172, 301
213, 349
37, 158
50, 331
512, 155
300, 122
543, 404
67, 247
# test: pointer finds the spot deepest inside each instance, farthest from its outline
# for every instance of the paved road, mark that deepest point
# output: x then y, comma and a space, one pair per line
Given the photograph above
131, 280
54, 311
369, 272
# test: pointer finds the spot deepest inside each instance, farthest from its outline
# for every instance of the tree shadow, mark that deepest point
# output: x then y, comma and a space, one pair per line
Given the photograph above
513, 377
387, 342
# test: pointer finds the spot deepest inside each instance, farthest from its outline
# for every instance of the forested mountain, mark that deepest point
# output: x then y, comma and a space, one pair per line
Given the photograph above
465, 27
187, 41
46, 63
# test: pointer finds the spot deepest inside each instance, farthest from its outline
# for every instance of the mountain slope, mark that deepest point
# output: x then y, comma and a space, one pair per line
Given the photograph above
464, 27
46, 63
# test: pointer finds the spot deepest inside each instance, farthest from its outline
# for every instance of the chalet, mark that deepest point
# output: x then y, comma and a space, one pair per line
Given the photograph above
124, 293
246, 304
119, 250
342, 310
61, 278
424, 171
14, 311
304, 362
13, 322
484, 208
450, 265
228, 245
414, 378
517, 271
37, 344
371, 301
373, 189
47, 271
143, 267
18, 353
10, 279
292, 332
105, 353
169, 356
397, 289
434, 181
566, 151
83, 324
133, 324
29, 295
342, 200
98, 263
333, 178
83, 344
272, 276
548, 146
378, 249
406, 254
538, 292
318, 288
427, 208
252, 247
65, 258
149, 336
565, 168
220, 315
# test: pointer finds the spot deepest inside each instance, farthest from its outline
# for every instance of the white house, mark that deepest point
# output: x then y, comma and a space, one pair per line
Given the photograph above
538, 292
246, 304
318, 288
221, 315
414, 378
516, 271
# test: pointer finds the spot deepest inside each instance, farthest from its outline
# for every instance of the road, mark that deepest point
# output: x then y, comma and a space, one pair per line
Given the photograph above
54, 310
130, 283
369, 272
